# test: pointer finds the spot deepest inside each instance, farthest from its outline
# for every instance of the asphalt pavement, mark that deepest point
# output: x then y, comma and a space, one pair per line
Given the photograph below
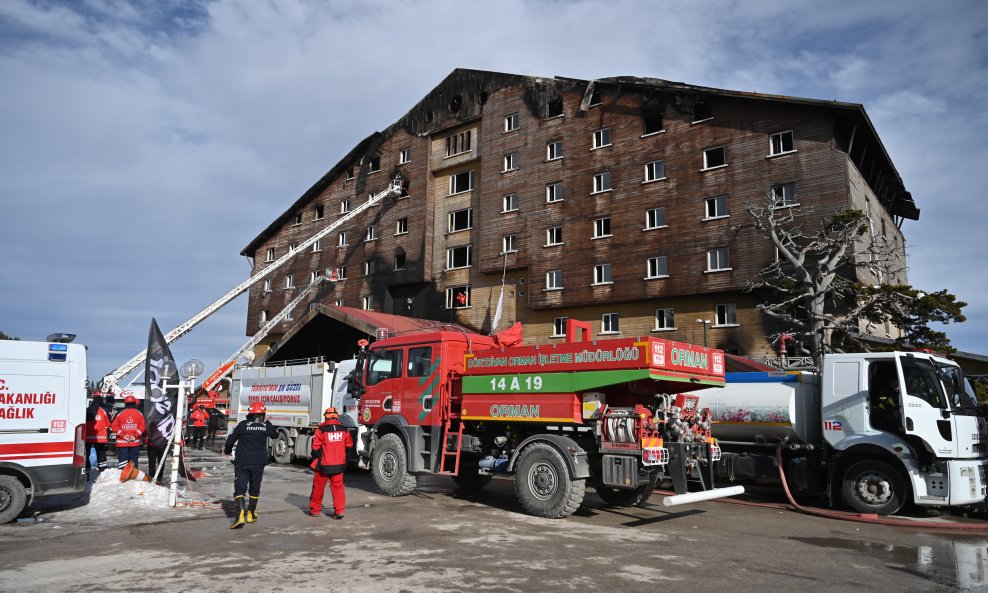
439, 540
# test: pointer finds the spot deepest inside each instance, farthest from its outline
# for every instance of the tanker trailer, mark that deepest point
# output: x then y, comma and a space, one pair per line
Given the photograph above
874, 430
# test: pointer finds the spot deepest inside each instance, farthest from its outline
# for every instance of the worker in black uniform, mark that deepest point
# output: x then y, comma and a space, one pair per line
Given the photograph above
251, 438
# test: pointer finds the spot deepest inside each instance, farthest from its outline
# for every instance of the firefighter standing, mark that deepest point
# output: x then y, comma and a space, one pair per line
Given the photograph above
329, 457
97, 431
199, 420
251, 438
213, 424
129, 427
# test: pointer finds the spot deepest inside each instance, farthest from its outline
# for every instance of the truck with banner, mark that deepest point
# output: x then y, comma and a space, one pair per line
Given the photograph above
42, 422
295, 394
556, 417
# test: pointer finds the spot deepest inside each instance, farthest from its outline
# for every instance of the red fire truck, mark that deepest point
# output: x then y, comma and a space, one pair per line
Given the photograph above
557, 417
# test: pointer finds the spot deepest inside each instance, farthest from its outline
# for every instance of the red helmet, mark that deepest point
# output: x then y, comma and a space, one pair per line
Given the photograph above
130, 399
330, 414
257, 408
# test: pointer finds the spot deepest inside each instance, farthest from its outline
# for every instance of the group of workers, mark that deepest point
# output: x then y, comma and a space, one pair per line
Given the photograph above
329, 451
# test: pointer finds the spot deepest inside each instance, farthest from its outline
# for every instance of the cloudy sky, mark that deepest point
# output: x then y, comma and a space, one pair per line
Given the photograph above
144, 144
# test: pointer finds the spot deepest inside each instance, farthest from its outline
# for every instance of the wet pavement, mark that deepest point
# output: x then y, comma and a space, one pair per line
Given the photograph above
439, 540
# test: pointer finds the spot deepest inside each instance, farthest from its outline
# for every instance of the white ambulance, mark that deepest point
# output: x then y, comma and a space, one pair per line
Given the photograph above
42, 422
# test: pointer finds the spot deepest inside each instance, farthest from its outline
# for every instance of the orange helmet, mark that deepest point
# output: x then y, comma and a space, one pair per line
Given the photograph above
330, 414
257, 408
130, 399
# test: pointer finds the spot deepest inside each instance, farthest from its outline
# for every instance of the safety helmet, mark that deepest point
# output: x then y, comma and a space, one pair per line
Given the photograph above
130, 399
257, 408
202, 406
330, 414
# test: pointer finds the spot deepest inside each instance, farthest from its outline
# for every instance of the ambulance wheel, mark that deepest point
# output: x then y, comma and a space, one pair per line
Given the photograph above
471, 481
543, 484
615, 497
281, 449
389, 467
13, 497
874, 487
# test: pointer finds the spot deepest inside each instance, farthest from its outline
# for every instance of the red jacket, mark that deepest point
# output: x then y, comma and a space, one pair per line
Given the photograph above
97, 423
329, 448
129, 426
200, 418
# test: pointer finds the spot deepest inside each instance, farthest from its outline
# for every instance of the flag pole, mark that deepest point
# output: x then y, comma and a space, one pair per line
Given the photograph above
177, 440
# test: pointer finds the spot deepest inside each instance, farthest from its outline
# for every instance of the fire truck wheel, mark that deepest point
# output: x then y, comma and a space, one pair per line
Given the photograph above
543, 484
470, 481
389, 467
281, 449
615, 497
874, 487
13, 497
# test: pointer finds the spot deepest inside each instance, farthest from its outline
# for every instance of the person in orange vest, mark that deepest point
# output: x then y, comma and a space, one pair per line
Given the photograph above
199, 420
329, 453
129, 426
97, 432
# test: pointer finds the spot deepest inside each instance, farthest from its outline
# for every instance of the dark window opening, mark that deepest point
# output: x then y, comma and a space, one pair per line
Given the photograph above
399, 261
595, 97
455, 104
554, 107
484, 95
653, 122
375, 164
702, 110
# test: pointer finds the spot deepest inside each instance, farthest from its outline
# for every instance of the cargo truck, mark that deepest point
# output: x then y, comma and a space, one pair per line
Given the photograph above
876, 430
556, 417
295, 394
42, 422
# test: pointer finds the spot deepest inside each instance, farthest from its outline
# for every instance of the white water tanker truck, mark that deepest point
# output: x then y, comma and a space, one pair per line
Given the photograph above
876, 430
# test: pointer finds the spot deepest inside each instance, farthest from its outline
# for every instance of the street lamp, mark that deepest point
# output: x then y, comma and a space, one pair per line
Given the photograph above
704, 323
189, 371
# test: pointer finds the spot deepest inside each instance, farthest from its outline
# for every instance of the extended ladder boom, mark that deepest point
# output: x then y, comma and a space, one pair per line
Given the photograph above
393, 190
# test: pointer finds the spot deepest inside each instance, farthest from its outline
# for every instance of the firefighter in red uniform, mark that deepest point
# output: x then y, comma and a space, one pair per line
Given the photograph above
129, 426
329, 453
199, 420
97, 431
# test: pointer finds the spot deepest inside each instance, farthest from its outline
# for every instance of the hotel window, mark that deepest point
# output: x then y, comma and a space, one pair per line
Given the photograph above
554, 192
459, 257
372, 233
368, 303
313, 276
714, 157
344, 206
610, 323
726, 314
554, 236
292, 246
399, 261
784, 196
298, 218
269, 254
655, 170
320, 209
602, 227
265, 315
511, 122
401, 226
602, 138
289, 282
665, 319
404, 156
267, 285
509, 203
339, 302
602, 274
702, 111
370, 266
341, 272
655, 218
554, 150
509, 244
458, 297
461, 182
602, 182
317, 246
554, 280
781, 143
558, 327
718, 259
375, 165
657, 267
343, 240
460, 220
349, 174
458, 143
716, 207
510, 162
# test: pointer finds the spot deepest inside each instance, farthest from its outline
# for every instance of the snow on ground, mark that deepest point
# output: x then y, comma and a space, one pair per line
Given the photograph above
107, 500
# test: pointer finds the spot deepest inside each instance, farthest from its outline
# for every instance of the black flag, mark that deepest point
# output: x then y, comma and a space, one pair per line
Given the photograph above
160, 404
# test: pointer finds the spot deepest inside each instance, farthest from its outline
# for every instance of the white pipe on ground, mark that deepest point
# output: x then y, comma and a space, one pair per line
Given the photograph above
678, 499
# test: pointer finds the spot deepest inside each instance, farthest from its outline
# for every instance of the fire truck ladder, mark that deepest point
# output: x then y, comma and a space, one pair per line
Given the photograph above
394, 189
452, 429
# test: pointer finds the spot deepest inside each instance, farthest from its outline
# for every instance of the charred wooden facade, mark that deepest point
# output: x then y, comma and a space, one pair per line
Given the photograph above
616, 201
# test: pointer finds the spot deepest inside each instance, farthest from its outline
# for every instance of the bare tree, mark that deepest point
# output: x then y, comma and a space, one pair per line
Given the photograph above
835, 275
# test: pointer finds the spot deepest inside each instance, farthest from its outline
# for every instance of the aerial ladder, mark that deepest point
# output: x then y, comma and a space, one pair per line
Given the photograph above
110, 380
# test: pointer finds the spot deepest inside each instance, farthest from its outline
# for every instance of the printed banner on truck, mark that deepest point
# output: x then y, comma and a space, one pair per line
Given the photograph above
161, 402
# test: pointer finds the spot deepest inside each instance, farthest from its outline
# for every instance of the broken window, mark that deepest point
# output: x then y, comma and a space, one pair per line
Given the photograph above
457, 297
459, 257
781, 143
701, 111
726, 314
714, 157
375, 164
399, 261
461, 220
461, 182
653, 115
458, 143
554, 108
